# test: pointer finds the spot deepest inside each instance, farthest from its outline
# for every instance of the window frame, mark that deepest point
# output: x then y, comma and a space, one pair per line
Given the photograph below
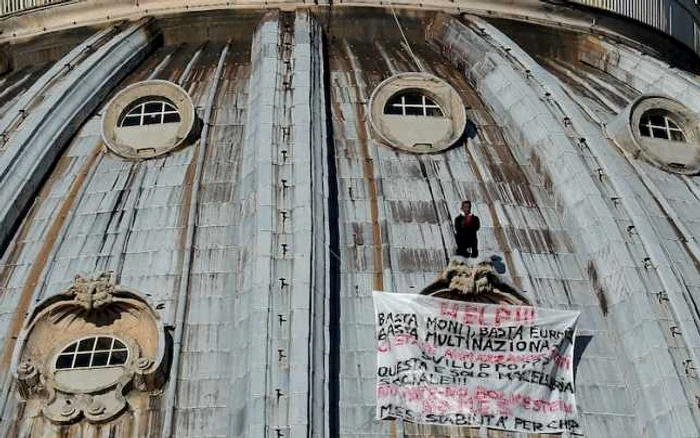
167, 108
427, 103
75, 352
669, 126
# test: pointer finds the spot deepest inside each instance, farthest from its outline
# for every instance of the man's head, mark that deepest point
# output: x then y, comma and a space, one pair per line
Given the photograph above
466, 206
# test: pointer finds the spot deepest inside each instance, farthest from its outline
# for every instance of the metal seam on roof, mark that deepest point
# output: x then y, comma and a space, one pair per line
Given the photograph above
321, 252
51, 76
256, 221
308, 95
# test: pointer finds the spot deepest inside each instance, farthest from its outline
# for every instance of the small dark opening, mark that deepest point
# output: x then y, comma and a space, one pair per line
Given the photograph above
118, 358
100, 359
104, 344
87, 344
82, 360
64, 361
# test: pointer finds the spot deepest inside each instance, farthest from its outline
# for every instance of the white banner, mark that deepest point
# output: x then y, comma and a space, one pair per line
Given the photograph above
468, 364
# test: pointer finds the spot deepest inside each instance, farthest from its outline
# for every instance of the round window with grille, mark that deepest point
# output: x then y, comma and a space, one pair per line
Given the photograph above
92, 363
660, 124
93, 352
661, 130
148, 119
149, 110
417, 112
412, 103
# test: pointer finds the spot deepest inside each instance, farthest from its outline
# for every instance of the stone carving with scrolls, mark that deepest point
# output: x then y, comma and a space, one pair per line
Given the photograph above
476, 283
92, 292
93, 306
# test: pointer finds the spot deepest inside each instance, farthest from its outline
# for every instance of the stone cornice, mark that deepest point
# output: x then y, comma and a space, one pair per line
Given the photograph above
96, 12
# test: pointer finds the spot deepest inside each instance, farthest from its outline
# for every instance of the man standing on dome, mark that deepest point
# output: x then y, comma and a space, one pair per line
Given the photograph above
466, 226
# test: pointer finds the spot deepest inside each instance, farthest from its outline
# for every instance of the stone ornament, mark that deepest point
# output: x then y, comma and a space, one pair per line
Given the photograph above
92, 292
28, 379
70, 326
63, 408
475, 283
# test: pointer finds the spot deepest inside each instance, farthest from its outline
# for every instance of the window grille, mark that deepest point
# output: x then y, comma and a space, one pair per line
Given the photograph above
93, 352
152, 112
661, 126
412, 103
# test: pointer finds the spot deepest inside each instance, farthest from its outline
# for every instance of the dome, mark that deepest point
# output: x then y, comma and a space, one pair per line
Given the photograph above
211, 191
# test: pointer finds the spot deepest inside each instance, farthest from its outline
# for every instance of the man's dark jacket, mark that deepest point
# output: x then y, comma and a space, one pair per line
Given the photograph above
465, 234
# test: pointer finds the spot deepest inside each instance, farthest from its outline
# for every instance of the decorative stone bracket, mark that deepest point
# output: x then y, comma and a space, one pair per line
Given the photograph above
477, 283
91, 309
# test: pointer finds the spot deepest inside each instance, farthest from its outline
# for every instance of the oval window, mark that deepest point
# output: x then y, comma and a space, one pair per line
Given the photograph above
417, 112
661, 130
412, 103
151, 110
659, 124
148, 119
93, 352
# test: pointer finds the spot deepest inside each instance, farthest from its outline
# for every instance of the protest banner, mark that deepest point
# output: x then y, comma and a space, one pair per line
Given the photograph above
467, 364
